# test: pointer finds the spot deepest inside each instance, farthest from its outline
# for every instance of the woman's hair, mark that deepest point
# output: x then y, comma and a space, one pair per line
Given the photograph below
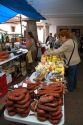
31, 34
64, 33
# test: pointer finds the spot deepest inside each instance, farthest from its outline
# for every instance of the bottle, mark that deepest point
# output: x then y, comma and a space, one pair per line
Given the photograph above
3, 83
0, 70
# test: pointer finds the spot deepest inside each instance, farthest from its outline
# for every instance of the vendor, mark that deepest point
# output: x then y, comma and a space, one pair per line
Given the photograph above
7, 43
32, 49
67, 47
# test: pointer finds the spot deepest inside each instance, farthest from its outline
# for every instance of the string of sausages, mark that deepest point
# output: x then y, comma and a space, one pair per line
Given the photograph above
18, 102
49, 105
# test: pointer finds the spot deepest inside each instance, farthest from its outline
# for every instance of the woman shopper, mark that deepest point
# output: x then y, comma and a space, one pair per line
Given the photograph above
67, 48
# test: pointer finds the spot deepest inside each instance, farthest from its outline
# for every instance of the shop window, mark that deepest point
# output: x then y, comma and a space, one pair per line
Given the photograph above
76, 31
12, 28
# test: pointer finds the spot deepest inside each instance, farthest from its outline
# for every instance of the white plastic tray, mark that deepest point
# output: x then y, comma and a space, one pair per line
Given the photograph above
30, 120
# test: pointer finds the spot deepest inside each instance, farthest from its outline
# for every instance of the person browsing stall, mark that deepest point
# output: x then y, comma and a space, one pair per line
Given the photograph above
68, 45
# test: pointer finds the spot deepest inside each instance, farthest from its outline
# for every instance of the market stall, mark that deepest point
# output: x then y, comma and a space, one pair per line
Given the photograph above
7, 69
41, 101
12, 56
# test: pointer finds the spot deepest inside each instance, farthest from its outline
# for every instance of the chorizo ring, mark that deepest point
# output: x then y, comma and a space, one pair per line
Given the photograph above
25, 99
25, 114
47, 108
41, 115
41, 118
11, 113
20, 110
15, 96
58, 117
53, 104
41, 111
8, 103
43, 92
54, 122
55, 94
22, 106
47, 98
10, 109
56, 112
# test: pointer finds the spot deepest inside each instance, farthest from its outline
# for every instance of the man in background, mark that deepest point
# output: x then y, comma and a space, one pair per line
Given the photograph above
50, 40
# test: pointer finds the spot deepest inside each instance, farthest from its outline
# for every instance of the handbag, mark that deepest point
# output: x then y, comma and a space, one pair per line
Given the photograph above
67, 65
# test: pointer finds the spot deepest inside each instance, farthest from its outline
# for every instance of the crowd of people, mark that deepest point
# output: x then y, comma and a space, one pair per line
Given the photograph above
53, 41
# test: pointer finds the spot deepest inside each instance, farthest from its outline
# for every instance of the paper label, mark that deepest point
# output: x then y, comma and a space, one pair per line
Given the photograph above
24, 85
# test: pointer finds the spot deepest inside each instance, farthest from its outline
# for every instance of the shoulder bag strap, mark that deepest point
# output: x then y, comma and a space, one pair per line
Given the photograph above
71, 54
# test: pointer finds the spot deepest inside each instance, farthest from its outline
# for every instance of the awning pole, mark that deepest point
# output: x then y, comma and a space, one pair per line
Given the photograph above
21, 24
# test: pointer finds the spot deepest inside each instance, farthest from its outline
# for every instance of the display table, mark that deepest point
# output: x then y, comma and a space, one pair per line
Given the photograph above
12, 58
30, 119
9, 79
